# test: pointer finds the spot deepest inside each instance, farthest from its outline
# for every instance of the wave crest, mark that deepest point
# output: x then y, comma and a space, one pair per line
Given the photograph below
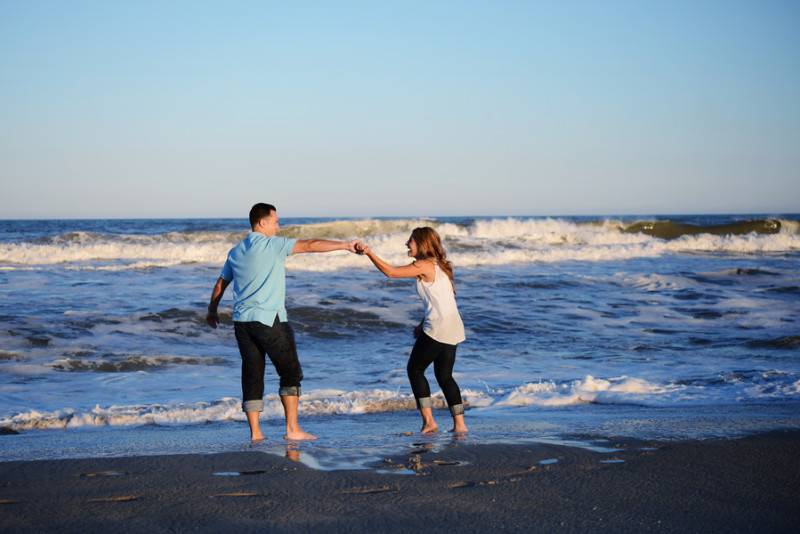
589, 390
484, 242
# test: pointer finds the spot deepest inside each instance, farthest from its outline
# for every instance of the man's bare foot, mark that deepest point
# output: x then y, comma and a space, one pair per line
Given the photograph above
298, 435
429, 428
461, 429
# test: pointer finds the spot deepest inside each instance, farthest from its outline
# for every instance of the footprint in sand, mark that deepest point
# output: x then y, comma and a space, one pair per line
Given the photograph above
461, 484
448, 462
510, 478
98, 474
117, 498
237, 473
367, 491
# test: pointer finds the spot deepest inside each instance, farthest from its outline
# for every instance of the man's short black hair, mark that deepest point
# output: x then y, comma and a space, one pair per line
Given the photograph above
259, 211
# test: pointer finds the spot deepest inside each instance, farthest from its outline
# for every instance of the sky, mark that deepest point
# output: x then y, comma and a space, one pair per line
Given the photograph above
360, 109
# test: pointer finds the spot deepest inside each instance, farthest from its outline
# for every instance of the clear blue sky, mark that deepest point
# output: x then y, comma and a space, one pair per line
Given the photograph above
199, 109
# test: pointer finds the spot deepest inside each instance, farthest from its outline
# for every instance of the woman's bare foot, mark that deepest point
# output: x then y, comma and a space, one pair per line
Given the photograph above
255, 438
459, 427
429, 428
298, 435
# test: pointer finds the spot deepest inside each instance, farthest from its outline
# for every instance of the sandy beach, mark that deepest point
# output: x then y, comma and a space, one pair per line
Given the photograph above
726, 485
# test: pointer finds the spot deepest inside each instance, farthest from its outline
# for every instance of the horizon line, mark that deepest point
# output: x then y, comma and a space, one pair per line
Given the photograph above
406, 216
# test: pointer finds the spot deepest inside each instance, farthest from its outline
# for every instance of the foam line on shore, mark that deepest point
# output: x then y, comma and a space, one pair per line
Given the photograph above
624, 390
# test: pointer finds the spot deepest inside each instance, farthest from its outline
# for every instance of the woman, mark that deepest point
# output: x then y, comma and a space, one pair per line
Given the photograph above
441, 330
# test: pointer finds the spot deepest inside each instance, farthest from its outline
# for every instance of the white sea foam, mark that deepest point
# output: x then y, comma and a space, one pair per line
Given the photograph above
319, 402
655, 282
772, 390
485, 242
772, 385
589, 390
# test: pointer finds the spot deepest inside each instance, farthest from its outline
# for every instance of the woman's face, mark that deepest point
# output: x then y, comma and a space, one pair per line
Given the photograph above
412, 247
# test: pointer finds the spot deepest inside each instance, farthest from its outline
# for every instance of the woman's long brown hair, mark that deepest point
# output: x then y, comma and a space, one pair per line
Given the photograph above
429, 245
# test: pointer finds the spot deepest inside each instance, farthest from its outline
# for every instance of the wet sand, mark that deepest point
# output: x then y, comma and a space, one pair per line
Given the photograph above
749, 484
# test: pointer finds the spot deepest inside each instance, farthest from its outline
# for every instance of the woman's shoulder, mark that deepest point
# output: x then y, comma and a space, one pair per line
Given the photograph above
426, 263
428, 267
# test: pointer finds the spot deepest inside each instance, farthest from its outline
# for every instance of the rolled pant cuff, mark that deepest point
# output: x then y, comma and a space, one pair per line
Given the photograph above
457, 409
424, 402
289, 391
256, 405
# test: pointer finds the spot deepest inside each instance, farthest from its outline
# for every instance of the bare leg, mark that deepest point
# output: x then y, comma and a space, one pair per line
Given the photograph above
255, 428
293, 430
428, 423
459, 427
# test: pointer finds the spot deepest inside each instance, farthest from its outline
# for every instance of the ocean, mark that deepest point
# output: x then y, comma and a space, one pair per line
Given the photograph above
578, 329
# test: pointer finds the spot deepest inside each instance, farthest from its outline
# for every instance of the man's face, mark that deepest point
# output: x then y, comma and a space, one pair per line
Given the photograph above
269, 225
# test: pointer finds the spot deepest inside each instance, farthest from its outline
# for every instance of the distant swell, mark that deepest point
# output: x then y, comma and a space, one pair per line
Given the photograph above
673, 230
786, 342
130, 363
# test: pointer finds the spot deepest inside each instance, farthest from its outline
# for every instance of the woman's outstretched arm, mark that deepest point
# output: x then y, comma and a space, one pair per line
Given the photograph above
414, 269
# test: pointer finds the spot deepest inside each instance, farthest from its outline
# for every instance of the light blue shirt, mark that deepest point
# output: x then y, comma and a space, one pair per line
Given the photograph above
256, 266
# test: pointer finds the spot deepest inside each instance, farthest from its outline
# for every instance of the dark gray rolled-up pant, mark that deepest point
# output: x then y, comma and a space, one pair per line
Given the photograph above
277, 341
443, 356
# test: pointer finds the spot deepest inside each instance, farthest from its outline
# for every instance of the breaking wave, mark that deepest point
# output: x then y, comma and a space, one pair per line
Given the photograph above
320, 402
623, 390
483, 242
755, 386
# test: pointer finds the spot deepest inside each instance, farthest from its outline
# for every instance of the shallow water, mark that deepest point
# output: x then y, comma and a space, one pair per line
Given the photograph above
574, 326
364, 441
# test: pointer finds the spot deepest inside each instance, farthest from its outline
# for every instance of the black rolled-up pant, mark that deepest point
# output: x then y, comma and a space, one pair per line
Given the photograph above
277, 341
443, 356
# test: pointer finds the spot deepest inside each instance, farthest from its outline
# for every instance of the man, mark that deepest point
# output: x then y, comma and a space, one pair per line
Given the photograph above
256, 267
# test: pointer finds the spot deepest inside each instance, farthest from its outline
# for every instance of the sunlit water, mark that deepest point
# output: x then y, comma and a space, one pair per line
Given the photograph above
575, 327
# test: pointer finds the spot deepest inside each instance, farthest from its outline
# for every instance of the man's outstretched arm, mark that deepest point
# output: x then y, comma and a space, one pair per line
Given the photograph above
216, 295
302, 246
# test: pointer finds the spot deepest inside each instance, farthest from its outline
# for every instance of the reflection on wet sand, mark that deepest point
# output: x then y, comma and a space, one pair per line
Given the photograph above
292, 452
333, 455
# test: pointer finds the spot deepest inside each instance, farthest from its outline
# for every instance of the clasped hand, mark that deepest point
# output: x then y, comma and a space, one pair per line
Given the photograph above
360, 248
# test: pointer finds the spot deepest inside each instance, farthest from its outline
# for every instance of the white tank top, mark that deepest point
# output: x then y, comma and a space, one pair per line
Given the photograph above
442, 320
